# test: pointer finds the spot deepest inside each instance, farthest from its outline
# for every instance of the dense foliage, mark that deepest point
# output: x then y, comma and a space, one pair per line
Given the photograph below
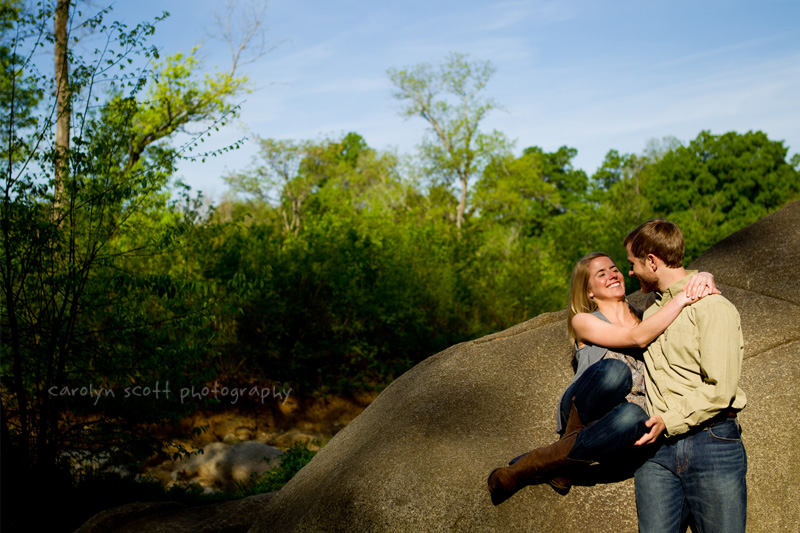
100, 307
330, 267
293, 459
354, 271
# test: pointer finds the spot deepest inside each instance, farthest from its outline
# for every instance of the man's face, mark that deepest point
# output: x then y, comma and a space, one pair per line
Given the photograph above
639, 270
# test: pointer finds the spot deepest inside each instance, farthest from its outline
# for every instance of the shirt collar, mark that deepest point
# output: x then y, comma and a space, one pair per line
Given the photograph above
675, 288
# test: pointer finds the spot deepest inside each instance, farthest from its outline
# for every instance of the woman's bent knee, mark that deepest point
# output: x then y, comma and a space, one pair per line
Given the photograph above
616, 375
632, 415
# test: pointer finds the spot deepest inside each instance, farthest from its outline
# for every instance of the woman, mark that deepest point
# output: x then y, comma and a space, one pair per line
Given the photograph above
607, 392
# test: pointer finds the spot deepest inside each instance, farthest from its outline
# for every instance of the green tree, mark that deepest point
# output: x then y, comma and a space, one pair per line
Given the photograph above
365, 286
449, 96
88, 302
513, 192
611, 171
711, 187
278, 180
718, 184
176, 102
527, 191
521, 203
558, 171
618, 204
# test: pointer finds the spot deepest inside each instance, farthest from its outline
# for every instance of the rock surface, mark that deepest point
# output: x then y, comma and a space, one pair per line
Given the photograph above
171, 517
418, 457
235, 441
221, 466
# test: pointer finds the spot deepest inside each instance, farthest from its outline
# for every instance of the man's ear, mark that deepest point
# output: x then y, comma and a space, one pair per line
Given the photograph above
652, 262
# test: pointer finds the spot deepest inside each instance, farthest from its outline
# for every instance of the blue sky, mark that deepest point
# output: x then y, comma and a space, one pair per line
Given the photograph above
591, 75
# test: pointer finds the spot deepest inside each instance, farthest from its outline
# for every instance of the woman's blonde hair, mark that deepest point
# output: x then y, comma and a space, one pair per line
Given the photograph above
579, 301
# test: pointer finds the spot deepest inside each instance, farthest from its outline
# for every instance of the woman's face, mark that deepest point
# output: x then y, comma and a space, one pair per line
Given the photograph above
605, 280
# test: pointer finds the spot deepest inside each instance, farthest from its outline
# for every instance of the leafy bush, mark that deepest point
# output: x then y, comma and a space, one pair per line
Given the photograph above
292, 460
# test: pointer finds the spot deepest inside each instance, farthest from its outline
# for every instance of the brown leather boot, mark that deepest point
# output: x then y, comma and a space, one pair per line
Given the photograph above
534, 467
562, 483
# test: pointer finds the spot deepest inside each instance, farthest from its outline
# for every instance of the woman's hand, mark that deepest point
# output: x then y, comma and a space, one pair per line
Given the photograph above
683, 298
700, 285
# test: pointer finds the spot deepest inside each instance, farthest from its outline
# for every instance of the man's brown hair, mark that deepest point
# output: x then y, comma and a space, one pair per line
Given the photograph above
659, 237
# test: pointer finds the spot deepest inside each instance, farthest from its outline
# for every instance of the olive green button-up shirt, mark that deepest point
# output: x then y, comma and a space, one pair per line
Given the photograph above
693, 368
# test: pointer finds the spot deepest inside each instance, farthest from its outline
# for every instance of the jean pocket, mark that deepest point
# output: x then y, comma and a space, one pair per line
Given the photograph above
727, 431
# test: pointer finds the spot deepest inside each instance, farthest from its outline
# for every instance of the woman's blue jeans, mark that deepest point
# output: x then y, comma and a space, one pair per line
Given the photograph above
612, 423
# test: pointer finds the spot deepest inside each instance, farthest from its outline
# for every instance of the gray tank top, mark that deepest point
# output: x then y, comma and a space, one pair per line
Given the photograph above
585, 356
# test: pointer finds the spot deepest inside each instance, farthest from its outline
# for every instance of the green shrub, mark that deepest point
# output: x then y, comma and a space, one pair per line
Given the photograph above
293, 459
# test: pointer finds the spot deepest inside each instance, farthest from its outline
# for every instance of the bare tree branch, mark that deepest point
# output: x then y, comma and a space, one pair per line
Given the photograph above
242, 27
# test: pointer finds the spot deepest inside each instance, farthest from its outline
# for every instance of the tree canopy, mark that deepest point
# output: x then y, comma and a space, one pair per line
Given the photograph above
449, 96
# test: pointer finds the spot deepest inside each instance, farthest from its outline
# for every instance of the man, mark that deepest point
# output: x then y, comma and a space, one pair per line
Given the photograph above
697, 463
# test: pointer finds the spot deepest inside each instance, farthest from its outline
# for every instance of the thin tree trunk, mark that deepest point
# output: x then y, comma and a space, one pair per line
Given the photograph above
462, 204
63, 111
18, 386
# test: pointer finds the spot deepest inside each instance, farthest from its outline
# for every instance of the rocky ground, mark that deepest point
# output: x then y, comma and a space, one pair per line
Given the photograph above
235, 441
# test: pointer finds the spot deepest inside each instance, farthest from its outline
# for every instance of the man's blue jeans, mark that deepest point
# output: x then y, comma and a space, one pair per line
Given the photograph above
699, 476
612, 423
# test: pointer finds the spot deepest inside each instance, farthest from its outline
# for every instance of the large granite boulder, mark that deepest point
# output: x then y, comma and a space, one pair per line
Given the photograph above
172, 517
418, 457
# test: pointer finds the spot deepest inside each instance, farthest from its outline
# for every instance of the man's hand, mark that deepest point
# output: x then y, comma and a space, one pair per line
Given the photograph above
657, 427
